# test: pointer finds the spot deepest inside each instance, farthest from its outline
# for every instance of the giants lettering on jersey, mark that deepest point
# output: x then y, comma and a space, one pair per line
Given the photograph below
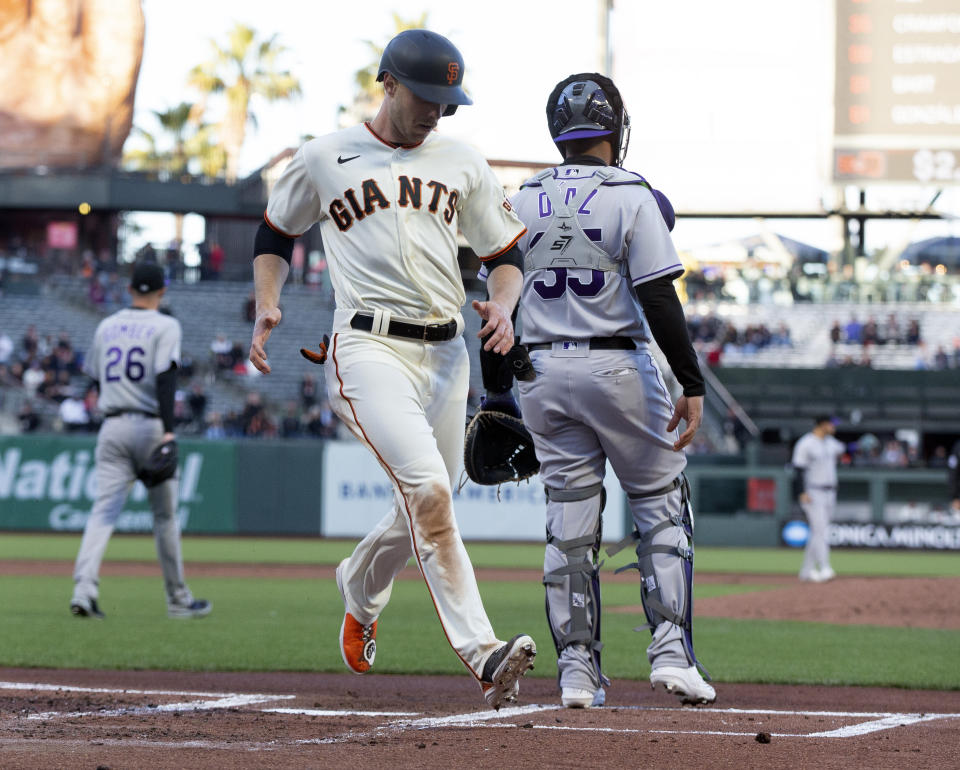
411, 194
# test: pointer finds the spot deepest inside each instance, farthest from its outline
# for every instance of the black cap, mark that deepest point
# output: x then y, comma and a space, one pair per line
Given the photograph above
820, 419
147, 277
429, 65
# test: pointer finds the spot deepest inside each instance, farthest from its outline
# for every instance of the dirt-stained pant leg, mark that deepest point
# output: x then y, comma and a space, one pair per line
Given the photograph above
406, 401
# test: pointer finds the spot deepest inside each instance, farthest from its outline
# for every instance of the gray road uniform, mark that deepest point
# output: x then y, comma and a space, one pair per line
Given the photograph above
130, 348
816, 458
595, 233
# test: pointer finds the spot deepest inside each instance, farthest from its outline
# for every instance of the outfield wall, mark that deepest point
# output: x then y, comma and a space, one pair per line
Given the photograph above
337, 489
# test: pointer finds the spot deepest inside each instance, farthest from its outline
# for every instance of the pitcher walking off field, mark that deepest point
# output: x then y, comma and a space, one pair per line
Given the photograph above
134, 358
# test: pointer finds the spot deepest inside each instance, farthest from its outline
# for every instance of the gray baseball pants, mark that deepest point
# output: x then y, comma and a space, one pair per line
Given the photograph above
123, 444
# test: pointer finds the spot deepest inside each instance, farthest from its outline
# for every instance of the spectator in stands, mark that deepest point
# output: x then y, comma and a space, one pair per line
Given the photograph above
73, 412
291, 426
29, 420
893, 455
220, 348
836, 333
920, 361
308, 391
7, 376
30, 344
781, 337
6, 348
867, 451
32, 377
250, 308
322, 422
261, 425
940, 359
913, 332
197, 401
938, 458
891, 333
852, 331
216, 261
238, 359
870, 334
215, 429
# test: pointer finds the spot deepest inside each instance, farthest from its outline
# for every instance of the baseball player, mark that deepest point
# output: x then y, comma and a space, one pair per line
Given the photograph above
815, 486
390, 196
134, 358
599, 267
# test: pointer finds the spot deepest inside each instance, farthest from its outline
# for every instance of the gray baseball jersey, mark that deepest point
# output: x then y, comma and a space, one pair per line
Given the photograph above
818, 458
130, 348
622, 219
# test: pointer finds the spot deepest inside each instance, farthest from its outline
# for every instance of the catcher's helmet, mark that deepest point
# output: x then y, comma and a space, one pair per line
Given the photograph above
586, 105
429, 65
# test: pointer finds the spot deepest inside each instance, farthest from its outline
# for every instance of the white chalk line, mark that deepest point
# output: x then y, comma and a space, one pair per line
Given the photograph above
203, 701
877, 720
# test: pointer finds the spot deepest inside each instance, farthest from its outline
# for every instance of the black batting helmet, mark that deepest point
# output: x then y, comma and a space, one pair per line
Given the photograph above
429, 65
588, 105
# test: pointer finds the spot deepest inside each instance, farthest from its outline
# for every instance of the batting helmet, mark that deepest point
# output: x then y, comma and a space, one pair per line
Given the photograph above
429, 65
587, 105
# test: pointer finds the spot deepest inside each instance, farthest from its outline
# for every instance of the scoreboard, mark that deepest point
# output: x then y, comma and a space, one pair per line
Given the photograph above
897, 91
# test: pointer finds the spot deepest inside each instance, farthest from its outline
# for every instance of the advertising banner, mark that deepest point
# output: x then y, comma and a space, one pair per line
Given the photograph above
357, 494
49, 483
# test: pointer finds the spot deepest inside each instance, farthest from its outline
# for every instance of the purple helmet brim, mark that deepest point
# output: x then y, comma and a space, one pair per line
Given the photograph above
583, 133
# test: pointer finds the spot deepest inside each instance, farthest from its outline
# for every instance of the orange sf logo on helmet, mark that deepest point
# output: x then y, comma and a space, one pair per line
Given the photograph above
453, 72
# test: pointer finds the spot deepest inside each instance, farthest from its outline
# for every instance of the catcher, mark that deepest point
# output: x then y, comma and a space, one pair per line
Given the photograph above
599, 267
134, 358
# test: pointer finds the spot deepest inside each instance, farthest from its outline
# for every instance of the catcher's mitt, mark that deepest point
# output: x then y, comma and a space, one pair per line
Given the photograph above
498, 448
161, 465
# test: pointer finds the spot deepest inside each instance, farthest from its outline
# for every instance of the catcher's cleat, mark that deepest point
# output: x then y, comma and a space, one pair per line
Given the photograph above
580, 698
358, 643
197, 608
503, 669
685, 683
86, 608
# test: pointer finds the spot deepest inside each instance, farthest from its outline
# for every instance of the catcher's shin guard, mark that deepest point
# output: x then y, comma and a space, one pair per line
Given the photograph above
571, 571
664, 544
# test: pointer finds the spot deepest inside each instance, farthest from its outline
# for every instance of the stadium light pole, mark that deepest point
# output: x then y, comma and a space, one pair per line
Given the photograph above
605, 47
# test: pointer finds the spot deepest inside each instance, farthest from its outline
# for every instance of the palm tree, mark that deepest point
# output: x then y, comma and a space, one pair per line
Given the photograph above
242, 68
369, 93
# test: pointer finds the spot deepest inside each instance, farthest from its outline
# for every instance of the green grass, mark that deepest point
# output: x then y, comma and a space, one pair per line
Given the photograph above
263, 624
240, 550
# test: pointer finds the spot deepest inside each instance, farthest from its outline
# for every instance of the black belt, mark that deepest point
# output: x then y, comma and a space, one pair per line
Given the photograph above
426, 332
120, 412
824, 489
596, 343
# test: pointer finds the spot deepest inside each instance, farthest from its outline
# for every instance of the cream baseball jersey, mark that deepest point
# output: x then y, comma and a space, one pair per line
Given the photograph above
389, 217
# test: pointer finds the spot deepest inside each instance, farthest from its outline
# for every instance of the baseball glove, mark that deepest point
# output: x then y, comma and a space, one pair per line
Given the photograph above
498, 448
161, 465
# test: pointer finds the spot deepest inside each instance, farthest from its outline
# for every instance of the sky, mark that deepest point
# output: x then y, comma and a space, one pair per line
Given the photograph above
731, 103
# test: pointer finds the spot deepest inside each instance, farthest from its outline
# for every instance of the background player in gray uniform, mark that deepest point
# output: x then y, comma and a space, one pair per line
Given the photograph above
815, 485
134, 358
599, 268
390, 196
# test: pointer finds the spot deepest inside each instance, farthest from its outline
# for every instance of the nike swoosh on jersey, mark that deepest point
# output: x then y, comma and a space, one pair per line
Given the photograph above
341, 159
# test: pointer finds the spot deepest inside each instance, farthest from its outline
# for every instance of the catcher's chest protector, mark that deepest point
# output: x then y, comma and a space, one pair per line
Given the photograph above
564, 243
